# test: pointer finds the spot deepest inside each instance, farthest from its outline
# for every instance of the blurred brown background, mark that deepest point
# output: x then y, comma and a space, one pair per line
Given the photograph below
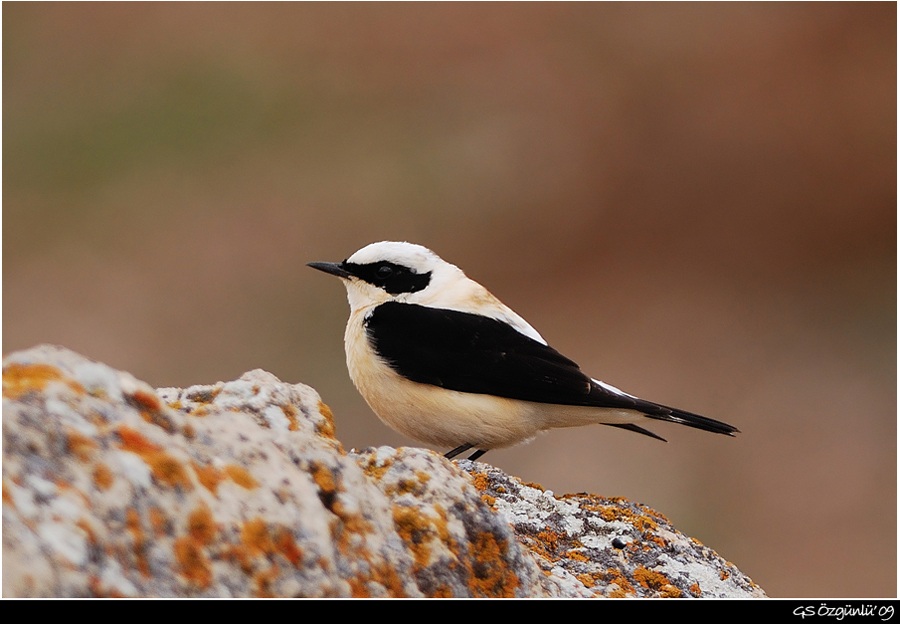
697, 202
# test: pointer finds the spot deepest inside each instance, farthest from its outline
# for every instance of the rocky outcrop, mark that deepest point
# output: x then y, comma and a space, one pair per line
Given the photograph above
114, 488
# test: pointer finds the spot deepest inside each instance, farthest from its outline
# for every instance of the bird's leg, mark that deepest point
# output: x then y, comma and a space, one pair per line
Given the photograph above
477, 454
462, 448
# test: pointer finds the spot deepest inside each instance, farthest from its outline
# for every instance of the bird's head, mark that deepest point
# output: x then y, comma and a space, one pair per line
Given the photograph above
394, 271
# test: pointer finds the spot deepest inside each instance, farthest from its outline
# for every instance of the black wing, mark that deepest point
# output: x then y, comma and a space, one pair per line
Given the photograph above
473, 353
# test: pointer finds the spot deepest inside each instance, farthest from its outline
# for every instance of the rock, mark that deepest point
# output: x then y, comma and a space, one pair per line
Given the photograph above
611, 546
113, 488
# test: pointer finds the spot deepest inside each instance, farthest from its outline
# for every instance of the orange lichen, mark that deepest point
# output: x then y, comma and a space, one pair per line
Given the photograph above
98, 590
489, 500
286, 545
239, 475
656, 581
256, 538
442, 525
481, 481
159, 522
160, 419
240, 554
491, 578
416, 530
194, 564
146, 400
323, 477
695, 590
545, 544
85, 526
614, 576
376, 470
135, 442
103, 476
163, 466
326, 428
205, 395
80, 445
21, 379
168, 470
350, 524
151, 409
607, 513
653, 513
669, 591
208, 476
139, 540
576, 556
388, 577
263, 581
65, 485
325, 480
201, 525
359, 587
641, 522
256, 541
291, 412
406, 486
587, 580
610, 583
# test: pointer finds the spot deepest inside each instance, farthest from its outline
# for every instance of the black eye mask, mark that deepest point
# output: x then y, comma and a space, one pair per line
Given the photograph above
393, 278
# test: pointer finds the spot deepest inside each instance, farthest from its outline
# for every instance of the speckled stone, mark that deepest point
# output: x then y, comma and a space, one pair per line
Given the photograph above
241, 488
611, 546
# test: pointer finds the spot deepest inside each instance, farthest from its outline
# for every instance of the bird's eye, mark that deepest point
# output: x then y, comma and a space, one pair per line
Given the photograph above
384, 272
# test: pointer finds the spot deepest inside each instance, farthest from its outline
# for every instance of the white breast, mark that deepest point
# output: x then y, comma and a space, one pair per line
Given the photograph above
430, 414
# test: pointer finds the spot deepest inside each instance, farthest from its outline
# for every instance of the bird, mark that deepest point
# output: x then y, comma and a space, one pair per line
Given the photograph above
443, 361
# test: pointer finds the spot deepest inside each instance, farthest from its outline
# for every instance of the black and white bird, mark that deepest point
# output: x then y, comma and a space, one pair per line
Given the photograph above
440, 359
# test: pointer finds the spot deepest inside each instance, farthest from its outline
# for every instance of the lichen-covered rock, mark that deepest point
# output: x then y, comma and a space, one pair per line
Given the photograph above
112, 488
235, 489
460, 547
611, 546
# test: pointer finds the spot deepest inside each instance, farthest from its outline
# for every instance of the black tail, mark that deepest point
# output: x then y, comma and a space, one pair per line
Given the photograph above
608, 397
675, 415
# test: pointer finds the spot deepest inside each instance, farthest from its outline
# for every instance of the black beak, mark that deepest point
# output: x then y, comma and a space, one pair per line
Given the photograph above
334, 268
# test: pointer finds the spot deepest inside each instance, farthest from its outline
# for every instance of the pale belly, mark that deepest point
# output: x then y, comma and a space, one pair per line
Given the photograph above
448, 418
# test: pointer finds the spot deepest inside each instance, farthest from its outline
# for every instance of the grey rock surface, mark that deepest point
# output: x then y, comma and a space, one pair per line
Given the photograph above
241, 488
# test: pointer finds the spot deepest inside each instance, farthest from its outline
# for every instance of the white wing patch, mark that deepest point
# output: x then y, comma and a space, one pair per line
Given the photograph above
613, 389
